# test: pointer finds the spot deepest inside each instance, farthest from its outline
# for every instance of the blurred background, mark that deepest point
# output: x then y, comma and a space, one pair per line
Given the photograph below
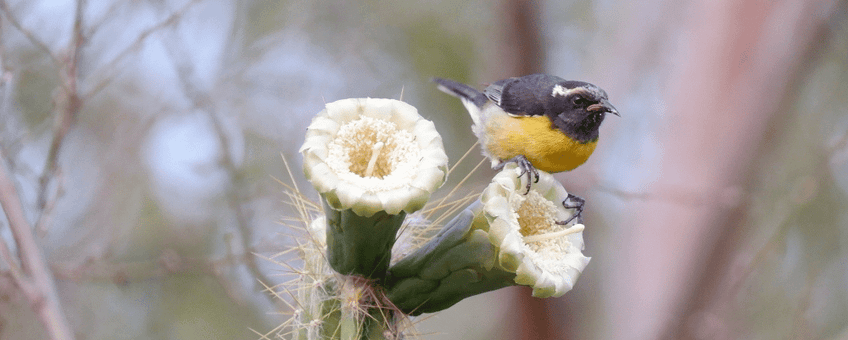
141, 141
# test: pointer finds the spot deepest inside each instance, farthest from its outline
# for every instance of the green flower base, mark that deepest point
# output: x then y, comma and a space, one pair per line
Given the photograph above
359, 245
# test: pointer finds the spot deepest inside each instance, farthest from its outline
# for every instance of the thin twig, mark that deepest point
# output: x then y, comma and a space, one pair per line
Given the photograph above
137, 44
70, 105
45, 217
108, 15
27, 33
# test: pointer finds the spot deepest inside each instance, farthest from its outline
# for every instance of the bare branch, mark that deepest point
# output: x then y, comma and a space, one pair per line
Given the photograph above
27, 33
39, 287
34, 277
17, 272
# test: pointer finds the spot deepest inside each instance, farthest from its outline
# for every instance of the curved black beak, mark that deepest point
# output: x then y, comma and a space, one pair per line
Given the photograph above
609, 108
603, 106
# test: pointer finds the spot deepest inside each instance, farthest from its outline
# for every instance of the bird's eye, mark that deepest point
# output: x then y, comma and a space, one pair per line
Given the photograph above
579, 101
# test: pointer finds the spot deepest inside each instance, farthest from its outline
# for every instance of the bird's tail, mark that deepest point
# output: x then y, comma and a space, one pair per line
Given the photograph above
467, 94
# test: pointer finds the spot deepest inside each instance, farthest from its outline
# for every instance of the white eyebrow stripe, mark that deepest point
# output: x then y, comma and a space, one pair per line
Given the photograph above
561, 91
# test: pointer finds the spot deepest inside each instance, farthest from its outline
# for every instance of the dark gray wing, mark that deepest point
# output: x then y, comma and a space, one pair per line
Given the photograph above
522, 96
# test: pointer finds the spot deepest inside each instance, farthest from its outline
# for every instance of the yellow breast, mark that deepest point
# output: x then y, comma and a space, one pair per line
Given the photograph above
546, 147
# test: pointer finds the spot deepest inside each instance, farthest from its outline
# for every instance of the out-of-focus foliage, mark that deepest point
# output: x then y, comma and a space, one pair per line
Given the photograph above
791, 274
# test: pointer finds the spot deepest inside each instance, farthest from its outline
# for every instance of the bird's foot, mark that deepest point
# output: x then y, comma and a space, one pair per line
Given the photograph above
576, 203
527, 168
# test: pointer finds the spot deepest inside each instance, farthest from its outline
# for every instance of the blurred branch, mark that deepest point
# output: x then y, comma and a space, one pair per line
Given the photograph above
721, 95
71, 98
27, 33
804, 23
15, 270
677, 195
11, 129
169, 263
838, 144
235, 195
110, 66
34, 280
45, 217
108, 15
520, 50
33, 277
69, 104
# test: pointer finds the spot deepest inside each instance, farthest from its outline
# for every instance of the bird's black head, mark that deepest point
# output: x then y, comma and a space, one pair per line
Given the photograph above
578, 109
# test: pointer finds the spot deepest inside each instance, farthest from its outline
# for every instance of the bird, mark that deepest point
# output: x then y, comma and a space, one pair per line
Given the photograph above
537, 121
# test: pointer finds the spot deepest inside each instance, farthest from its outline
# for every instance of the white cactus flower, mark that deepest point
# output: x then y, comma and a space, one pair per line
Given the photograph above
371, 155
543, 254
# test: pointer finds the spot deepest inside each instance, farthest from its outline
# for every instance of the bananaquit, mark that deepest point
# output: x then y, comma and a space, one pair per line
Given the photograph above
538, 121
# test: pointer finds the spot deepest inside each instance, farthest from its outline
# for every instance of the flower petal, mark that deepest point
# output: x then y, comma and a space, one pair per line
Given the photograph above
343, 111
410, 166
349, 193
378, 108
406, 117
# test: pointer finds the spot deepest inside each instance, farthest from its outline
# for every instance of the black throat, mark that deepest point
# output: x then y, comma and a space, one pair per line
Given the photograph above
584, 130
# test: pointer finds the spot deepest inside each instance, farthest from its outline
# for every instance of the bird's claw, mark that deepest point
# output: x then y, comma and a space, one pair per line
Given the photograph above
527, 168
573, 202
